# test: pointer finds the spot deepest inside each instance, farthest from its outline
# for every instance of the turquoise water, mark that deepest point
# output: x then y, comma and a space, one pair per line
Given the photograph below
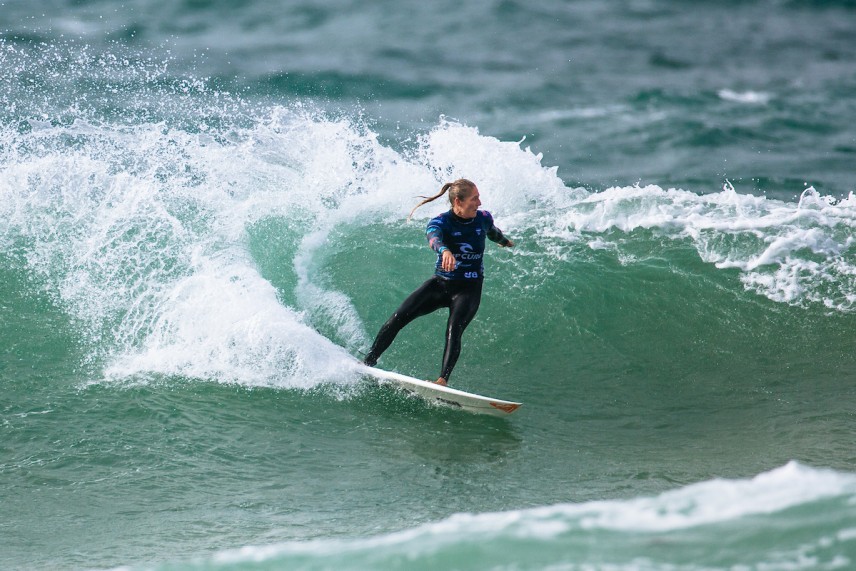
203, 220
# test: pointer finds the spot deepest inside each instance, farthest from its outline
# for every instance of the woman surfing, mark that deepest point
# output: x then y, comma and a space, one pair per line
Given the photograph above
458, 237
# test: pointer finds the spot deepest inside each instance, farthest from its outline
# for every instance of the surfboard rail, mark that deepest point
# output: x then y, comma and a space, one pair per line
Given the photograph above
446, 396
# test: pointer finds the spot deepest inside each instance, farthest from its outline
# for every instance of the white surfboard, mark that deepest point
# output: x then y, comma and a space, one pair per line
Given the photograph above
432, 392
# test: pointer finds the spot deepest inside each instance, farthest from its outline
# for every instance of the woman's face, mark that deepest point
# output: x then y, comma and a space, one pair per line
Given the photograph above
467, 207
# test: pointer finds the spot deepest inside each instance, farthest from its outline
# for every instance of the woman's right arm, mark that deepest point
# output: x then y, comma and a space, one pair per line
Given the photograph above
434, 233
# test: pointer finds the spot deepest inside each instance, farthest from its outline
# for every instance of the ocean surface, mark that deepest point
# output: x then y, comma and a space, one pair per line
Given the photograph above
203, 224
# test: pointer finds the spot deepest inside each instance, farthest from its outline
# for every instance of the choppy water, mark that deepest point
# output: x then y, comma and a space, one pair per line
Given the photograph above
202, 218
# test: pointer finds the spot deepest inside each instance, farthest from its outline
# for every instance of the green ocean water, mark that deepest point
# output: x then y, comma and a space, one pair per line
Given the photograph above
203, 224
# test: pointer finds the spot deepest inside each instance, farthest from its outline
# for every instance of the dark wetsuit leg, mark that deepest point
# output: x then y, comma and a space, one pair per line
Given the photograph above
462, 299
429, 297
465, 300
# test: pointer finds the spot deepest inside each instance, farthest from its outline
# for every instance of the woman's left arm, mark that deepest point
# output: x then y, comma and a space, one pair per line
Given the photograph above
494, 234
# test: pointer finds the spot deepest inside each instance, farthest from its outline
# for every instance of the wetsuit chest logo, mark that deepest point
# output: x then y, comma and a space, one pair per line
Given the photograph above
467, 252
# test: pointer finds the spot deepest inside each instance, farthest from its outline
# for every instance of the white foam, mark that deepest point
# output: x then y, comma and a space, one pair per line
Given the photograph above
721, 500
225, 322
142, 237
789, 252
511, 179
749, 97
706, 503
141, 232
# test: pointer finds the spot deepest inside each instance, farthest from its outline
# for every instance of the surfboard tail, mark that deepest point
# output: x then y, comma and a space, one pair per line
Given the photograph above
505, 407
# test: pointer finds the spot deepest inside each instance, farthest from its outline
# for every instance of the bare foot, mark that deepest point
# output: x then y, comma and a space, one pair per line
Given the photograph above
441, 381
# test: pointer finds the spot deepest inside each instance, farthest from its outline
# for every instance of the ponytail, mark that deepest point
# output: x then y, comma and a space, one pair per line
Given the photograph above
460, 188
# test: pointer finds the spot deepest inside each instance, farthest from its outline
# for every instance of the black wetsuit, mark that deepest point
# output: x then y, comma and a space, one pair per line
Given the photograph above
459, 290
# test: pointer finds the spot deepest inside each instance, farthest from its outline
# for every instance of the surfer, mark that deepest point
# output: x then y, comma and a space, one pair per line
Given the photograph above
458, 237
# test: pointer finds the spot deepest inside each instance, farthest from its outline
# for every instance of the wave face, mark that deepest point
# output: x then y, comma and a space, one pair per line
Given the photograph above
242, 252
203, 223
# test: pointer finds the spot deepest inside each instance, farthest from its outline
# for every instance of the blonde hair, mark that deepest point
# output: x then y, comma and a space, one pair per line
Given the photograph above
457, 189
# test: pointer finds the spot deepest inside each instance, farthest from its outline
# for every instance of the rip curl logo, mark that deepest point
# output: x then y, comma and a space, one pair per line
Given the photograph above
467, 252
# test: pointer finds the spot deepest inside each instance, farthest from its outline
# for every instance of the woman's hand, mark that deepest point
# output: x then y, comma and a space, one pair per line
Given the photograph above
448, 263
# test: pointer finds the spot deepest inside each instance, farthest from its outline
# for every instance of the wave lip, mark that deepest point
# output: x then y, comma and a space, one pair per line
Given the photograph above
792, 517
719, 500
796, 253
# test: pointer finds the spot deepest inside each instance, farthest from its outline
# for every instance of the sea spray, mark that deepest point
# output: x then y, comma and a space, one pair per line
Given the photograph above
137, 224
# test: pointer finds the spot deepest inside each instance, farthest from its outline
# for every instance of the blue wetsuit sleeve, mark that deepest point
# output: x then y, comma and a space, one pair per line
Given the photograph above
434, 233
